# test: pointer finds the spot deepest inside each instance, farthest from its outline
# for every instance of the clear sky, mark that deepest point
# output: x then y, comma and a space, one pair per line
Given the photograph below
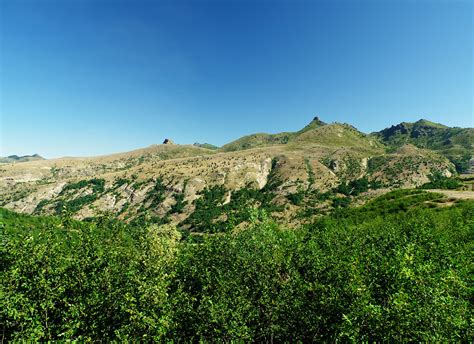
94, 77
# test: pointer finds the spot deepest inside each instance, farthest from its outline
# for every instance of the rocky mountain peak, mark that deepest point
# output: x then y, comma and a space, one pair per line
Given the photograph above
316, 120
315, 123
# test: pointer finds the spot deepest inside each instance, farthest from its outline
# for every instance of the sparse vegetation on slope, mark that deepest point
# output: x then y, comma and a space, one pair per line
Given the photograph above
257, 140
457, 144
205, 145
303, 169
316, 132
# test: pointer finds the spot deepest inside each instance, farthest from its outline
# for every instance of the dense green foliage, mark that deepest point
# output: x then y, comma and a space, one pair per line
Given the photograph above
392, 270
438, 181
212, 214
95, 188
65, 279
180, 203
96, 184
461, 160
393, 203
156, 194
354, 187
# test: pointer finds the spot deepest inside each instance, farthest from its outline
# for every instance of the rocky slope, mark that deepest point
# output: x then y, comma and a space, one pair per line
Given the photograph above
293, 176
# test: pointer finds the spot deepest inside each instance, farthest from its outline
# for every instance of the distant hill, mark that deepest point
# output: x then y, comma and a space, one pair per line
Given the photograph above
264, 139
257, 140
454, 143
16, 158
316, 132
290, 175
335, 135
205, 145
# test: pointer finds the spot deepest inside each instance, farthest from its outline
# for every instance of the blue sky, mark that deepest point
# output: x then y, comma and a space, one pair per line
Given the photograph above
87, 77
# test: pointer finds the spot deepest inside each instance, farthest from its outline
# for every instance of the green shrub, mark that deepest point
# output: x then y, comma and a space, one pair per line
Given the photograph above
212, 216
156, 194
389, 278
96, 184
296, 198
438, 181
180, 203
392, 270
208, 208
70, 280
341, 202
354, 187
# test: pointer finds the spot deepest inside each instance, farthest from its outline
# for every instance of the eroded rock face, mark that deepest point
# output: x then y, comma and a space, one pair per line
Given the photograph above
244, 173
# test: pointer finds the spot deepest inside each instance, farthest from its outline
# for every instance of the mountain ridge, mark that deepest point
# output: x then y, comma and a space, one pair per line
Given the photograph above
287, 174
17, 159
457, 144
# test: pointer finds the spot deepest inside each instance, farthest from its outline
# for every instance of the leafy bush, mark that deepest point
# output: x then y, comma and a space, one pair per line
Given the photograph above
341, 202
438, 181
41, 204
211, 215
207, 209
354, 187
390, 278
156, 194
65, 279
297, 197
392, 270
394, 202
180, 203
96, 184
121, 181
462, 162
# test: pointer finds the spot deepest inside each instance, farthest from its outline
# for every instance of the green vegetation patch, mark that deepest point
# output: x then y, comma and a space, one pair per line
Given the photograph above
212, 215
180, 202
156, 194
438, 181
207, 208
96, 184
394, 202
95, 187
368, 274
